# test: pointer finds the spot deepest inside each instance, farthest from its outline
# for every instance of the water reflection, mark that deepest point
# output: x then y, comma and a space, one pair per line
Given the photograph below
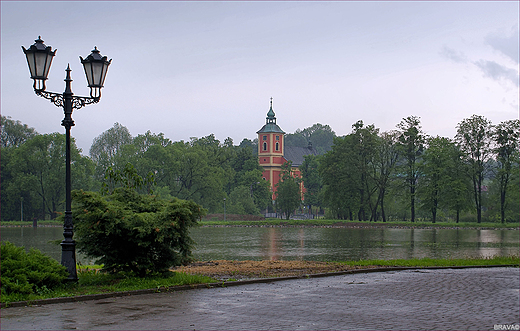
347, 244
319, 244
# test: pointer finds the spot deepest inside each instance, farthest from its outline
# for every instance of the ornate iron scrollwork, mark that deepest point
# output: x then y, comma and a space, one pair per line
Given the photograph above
80, 102
55, 98
58, 99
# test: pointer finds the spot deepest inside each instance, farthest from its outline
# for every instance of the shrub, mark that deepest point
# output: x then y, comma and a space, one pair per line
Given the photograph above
27, 273
132, 232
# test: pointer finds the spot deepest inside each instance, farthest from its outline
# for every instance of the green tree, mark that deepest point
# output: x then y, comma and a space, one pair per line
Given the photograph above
14, 133
434, 167
457, 193
38, 174
383, 166
474, 138
287, 191
411, 142
128, 178
312, 181
348, 185
505, 136
253, 144
364, 142
340, 180
194, 176
144, 141
295, 140
320, 136
241, 202
248, 173
107, 146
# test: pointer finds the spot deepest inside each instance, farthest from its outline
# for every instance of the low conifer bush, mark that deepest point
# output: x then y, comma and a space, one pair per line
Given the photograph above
131, 232
28, 273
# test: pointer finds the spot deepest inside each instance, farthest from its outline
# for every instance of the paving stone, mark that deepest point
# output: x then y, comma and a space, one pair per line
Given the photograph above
441, 299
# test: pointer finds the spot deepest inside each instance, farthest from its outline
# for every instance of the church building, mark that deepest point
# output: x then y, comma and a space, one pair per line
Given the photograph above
272, 152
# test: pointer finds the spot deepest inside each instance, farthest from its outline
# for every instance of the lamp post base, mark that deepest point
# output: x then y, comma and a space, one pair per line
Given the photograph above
68, 259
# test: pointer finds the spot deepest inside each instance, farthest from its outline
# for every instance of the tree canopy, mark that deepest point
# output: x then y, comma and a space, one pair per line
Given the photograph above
365, 175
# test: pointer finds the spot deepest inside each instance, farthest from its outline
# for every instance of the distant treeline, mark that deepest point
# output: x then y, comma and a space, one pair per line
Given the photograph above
367, 175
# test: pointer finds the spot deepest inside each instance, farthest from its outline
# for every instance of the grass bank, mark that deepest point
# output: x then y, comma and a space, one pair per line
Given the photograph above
90, 281
93, 282
360, 224
428, 262
321, 223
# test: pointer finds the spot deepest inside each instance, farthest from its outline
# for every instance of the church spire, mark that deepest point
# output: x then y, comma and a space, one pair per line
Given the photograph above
270, 122
271, 119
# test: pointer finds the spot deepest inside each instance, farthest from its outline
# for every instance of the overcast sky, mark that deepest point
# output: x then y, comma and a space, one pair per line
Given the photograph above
189, 69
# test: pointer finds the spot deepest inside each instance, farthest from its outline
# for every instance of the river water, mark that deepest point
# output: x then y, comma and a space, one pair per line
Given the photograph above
312, 243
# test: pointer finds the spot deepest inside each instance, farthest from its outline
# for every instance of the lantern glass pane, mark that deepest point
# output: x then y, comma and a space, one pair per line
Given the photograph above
97, 70
41, 61
30, 62
104, 74
88, 72
48, 66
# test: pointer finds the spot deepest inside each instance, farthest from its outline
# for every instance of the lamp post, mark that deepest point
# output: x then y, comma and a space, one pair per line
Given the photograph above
39, 59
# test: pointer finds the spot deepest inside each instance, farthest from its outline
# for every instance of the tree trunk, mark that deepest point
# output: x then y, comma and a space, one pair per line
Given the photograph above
412, 200
503, 187
383, 207
502, 206
479, 204
434, 209
412, 217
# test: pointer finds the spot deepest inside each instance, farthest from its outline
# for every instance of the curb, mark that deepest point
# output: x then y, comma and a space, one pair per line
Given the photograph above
162, 289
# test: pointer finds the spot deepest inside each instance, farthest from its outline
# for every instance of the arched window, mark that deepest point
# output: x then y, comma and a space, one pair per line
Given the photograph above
265, 146
277, 146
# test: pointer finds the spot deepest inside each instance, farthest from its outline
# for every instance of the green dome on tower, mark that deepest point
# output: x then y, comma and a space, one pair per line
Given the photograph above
270, 122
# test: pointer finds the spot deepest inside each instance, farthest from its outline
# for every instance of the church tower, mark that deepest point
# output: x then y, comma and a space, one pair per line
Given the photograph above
271, 149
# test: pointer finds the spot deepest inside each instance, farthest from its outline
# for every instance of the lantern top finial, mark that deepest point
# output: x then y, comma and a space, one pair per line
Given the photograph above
95, 56
40, 46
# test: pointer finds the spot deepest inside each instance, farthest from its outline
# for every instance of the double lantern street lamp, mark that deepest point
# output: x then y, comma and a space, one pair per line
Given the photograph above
39, 58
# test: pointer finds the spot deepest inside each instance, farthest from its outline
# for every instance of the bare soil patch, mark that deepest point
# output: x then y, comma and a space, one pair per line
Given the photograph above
241, 270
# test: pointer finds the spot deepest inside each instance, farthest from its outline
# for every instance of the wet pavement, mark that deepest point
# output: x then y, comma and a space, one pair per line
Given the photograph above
441, 299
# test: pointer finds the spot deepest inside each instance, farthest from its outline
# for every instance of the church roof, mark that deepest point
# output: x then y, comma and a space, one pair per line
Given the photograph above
270, 127
296, 154
270, 122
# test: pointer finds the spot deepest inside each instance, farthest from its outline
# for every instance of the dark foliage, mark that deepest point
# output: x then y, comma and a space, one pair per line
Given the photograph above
26, 273
132, 232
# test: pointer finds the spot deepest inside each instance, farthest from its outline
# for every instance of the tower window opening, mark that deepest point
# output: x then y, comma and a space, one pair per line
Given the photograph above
265, 146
